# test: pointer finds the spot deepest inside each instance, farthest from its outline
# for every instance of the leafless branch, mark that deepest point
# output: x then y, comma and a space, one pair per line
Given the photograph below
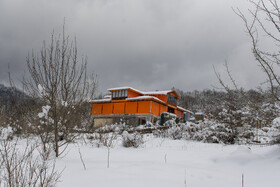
268, 61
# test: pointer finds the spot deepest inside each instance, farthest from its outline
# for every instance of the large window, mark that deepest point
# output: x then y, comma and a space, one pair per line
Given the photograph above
171, 99
120, 94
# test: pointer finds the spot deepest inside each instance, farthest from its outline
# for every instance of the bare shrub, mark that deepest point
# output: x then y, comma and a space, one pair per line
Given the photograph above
26, 167
102, 139
132, 140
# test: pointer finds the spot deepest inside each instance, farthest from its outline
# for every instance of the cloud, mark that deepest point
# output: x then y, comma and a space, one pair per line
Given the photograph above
146, 44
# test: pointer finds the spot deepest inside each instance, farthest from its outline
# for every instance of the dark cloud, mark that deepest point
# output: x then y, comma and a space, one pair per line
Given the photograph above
146, 44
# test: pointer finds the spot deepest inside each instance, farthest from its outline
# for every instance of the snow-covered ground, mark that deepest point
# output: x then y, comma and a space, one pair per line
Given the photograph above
171, 163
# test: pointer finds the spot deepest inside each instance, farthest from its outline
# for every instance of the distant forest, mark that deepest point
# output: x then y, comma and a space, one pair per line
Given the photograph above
236, 108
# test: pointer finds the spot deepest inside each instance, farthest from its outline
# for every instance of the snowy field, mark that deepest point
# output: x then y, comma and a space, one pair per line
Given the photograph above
171, 163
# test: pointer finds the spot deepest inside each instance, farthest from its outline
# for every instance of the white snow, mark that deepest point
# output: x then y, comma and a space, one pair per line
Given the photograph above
41, 90
169, 163
129, 99
276, 123
157, 92
188, 111
145, 97
124, 88
107, 96
5, 133
142, 92
64, 103
45, 111
101, 100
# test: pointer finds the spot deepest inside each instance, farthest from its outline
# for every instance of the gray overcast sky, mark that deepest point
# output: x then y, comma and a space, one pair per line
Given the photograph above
145, 44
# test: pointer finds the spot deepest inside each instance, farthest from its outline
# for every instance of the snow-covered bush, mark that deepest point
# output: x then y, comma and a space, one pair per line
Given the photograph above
102, 139
132, 140
117, 128
107, 128
6, 133
207, 131
245, 134
160, 133
212, 132
276, 140
175, 132
276, 123
274, 131
170, 123
149, 124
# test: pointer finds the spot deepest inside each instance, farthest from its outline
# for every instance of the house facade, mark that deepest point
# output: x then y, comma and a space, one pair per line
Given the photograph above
134, 106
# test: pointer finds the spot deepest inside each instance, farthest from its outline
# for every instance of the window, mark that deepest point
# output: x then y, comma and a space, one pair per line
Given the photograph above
126, 93
171, 99
120, 94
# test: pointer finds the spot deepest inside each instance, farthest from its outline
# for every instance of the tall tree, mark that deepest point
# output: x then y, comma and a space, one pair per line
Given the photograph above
62, 84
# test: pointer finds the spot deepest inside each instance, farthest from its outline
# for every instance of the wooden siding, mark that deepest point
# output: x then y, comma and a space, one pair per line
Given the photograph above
96, 109
155, 108
161, 97
131, 108
163, 109
107, 108
132, 94
144, 107
119, 108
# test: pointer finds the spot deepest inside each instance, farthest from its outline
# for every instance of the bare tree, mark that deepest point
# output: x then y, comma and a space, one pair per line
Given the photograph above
241, 108
62, 84
108, 141
264, 25
233, 103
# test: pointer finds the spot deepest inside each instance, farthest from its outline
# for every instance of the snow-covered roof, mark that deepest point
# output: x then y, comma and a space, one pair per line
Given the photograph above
188, 111
100, 100
107, 97
133, 98
157, 92
144, 97
171, 114
123, 88
144, 93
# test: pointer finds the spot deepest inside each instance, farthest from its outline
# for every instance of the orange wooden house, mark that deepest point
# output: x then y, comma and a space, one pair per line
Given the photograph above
134, 106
